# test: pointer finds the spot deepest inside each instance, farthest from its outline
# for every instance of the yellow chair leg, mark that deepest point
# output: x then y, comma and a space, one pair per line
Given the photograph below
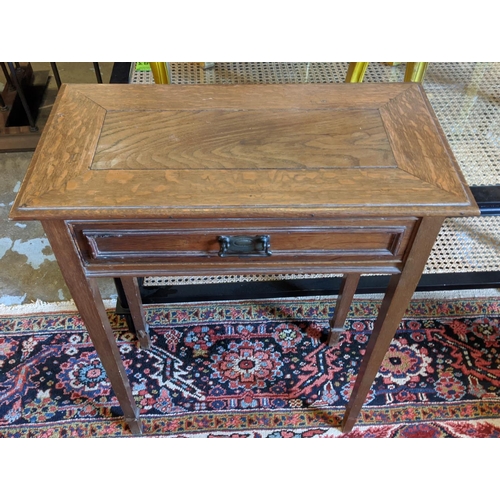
161, 72
415, 71
356, 72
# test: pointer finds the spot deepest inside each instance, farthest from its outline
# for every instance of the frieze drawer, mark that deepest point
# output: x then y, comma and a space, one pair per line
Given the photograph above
266, 242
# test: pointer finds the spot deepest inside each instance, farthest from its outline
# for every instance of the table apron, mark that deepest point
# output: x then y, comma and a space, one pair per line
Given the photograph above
116, 271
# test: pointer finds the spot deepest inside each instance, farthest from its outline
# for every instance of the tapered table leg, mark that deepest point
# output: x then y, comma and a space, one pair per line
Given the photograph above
88, 300
346, 293
394, 305
133, 295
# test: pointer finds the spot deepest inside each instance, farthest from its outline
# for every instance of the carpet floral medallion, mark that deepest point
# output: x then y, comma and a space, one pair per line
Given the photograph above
256, 369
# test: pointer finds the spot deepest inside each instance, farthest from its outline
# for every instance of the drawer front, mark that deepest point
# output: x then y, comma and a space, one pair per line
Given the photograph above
218, 244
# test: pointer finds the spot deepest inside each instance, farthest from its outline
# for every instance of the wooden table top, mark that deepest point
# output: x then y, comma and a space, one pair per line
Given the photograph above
154, 151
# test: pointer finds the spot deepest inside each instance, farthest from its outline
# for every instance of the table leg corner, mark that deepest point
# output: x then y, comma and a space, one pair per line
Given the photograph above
135, 425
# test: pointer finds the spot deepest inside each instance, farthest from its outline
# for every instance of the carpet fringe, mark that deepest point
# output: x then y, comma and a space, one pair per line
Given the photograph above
484, 293
46, 307
68, 306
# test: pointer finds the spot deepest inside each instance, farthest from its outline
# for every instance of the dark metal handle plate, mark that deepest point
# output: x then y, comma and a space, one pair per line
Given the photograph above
245, 245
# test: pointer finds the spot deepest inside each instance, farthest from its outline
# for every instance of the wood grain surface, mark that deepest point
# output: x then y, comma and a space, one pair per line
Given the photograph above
417, 144
242, 139
216, 193
265, 150
245, 96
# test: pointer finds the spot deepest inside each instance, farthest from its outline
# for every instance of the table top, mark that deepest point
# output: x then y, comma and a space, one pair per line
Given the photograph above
156, 151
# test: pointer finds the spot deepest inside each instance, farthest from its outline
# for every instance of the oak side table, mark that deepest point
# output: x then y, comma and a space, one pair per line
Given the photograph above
152, 180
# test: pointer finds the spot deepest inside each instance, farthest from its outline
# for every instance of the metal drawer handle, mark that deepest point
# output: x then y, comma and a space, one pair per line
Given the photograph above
245, 245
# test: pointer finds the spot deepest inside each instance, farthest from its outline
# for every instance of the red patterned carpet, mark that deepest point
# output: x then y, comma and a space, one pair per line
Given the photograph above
256, 369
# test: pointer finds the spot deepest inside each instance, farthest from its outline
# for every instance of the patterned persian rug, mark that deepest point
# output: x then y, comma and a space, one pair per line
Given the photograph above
256, 369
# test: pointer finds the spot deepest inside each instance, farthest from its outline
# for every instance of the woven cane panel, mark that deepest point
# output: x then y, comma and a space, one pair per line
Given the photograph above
465, 98
206, 280
469, 244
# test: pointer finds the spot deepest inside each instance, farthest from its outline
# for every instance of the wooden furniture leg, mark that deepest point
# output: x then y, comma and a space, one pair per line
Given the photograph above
346, 293
133, 295
356, 72
161, 72
88, 300
415, 71
394, 305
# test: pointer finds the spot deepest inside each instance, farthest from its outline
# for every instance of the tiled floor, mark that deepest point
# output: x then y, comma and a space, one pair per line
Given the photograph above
465, 97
